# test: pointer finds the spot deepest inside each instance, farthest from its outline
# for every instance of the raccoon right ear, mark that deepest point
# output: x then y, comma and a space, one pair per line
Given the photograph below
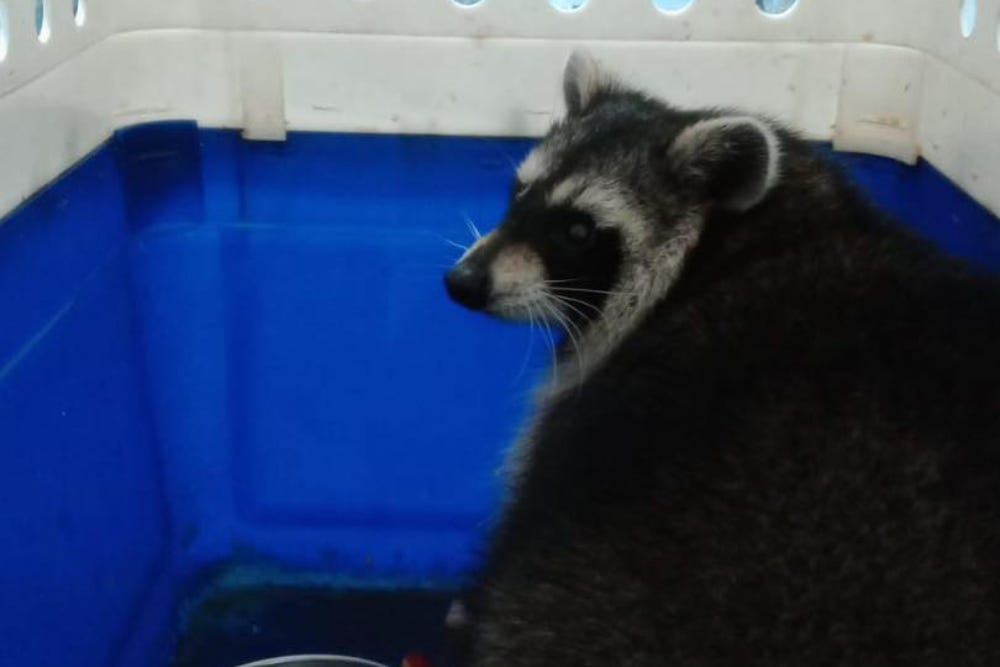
730, 161
583, 79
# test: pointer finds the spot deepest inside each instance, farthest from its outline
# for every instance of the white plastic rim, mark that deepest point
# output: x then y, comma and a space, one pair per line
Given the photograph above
328, 660
859, 72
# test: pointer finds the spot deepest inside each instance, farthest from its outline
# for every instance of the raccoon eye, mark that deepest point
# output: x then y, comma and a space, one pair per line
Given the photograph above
579, 232
574, 230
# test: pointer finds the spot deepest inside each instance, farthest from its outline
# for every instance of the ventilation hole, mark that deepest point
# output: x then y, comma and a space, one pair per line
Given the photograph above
467, 3
968, 17
776, 7
79, 12
3, 32
42, 26
672, 6
567, 5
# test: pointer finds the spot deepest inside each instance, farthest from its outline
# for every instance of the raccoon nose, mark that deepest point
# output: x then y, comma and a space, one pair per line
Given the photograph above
469, 285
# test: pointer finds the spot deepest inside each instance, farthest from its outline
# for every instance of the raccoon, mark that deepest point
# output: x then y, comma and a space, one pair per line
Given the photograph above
772, 436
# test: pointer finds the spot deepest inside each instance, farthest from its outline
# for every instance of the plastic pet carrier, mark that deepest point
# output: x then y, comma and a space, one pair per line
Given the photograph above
239, 417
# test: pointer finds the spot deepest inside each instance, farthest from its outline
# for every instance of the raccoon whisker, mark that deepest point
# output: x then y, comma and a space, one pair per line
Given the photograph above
509, 160
592, 291
562, 284
554, 303
547, 330
527, 349
562, 281
552, 315
476, 234
573, 310
456, 244
569, 323
568, 300
576, 339
569, 327
449, 241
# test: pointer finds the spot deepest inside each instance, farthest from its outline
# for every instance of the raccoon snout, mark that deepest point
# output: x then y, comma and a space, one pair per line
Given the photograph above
469, 284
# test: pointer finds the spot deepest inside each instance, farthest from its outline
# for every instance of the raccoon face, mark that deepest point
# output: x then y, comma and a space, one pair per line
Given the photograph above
605, 210
549, 260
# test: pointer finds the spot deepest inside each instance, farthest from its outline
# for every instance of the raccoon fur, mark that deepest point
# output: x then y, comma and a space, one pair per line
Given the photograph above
773, 434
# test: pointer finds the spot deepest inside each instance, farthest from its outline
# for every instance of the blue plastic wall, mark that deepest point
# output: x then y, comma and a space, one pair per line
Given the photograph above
215, 351
317, 399
83, 519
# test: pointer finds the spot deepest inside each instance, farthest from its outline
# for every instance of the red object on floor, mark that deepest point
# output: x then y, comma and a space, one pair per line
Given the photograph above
416, 660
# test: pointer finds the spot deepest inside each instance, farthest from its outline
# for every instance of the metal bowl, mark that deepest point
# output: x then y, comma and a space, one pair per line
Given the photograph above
313, 661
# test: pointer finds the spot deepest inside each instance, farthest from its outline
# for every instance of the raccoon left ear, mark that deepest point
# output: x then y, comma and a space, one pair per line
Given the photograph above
583, 79
732, 161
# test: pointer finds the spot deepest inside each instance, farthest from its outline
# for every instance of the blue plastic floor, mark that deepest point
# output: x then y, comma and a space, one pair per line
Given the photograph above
216, 353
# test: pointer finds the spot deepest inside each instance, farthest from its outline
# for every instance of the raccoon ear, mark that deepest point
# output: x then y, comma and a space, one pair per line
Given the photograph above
583, 79
732, 161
